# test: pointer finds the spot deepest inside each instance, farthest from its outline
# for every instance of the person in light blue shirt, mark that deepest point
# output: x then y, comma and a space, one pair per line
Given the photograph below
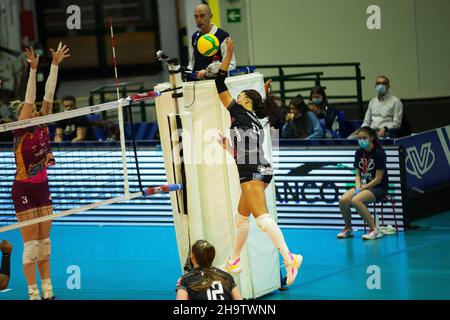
300, 123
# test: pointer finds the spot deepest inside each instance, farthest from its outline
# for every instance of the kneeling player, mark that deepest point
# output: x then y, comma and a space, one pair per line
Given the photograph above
206, 282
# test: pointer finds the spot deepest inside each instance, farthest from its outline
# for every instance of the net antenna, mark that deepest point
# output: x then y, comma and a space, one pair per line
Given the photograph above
120, 116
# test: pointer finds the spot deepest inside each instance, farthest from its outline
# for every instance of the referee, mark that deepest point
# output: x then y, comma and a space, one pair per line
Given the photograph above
197, 62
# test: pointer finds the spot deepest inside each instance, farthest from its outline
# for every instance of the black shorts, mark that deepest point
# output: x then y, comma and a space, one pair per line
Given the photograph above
260, 172
379, 193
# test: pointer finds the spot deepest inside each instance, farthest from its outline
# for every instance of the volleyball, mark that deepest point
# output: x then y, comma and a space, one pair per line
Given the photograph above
208, 45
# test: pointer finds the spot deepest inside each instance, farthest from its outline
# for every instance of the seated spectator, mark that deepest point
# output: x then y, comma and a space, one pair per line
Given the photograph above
7, 114
326, 113
300, 123
73, 129
6, 105
385, 111
111, 130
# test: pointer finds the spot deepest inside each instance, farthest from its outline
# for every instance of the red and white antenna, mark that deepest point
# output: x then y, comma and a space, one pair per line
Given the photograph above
119, 113
113, 45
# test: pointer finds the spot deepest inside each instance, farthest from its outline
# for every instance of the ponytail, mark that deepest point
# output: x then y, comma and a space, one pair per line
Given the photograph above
267, 108
272, 110
204, 253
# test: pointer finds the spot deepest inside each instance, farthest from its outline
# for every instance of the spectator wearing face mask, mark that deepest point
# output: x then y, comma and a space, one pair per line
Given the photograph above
300, 123
327, 115
385, 111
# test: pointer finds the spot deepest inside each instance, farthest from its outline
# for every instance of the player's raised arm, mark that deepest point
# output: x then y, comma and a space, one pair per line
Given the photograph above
222, 89
58, 56
29, 107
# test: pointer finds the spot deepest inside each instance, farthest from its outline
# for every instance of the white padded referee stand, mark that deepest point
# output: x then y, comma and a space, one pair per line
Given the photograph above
212, 181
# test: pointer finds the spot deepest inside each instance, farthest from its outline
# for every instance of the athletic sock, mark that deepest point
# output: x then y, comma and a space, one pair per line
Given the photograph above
33, 292
47, 288
242, 226
268, 225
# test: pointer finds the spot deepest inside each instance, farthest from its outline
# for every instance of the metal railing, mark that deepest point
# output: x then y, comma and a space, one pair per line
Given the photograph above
108, 92
315, 78
283, 76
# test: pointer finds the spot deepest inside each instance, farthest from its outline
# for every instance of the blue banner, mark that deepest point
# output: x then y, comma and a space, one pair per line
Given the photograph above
427, 158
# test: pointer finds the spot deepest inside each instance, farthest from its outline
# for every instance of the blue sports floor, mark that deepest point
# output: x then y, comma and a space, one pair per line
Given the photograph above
142, 263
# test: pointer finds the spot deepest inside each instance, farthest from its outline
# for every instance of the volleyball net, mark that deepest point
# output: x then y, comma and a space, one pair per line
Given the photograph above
86, 175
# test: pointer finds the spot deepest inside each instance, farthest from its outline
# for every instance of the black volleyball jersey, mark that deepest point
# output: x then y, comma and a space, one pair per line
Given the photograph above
217, 290
247, 135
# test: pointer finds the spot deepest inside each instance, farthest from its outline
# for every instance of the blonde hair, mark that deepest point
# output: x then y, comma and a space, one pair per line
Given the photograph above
18, 106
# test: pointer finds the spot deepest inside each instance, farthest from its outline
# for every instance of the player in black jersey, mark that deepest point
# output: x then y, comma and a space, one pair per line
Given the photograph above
255, 172
205, 282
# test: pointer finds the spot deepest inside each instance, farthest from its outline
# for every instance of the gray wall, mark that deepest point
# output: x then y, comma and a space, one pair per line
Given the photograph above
10, 24
412, 47
168, 27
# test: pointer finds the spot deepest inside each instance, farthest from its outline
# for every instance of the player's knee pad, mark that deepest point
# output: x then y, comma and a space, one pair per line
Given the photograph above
264, 222
30, 251
44, 249
241, 221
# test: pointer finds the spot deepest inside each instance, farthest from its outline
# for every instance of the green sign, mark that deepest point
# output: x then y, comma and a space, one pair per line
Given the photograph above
233, 15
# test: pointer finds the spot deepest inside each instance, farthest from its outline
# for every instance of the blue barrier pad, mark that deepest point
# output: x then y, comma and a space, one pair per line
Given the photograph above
427, 158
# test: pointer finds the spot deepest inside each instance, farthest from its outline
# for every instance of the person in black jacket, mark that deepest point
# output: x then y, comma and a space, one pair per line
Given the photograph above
73, 129
300, 123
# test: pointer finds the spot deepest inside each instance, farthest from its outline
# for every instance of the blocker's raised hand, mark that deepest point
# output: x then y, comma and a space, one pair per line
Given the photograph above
32, 58
60, 54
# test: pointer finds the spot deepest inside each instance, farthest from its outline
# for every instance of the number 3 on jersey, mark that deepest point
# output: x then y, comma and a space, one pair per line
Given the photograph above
24, 200
215, 292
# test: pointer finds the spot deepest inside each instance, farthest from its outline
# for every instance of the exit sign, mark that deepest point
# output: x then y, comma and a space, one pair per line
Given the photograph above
233, 15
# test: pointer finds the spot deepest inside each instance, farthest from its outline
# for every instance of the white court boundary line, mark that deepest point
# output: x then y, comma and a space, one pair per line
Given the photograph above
71, 211
123, 102
6, 290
